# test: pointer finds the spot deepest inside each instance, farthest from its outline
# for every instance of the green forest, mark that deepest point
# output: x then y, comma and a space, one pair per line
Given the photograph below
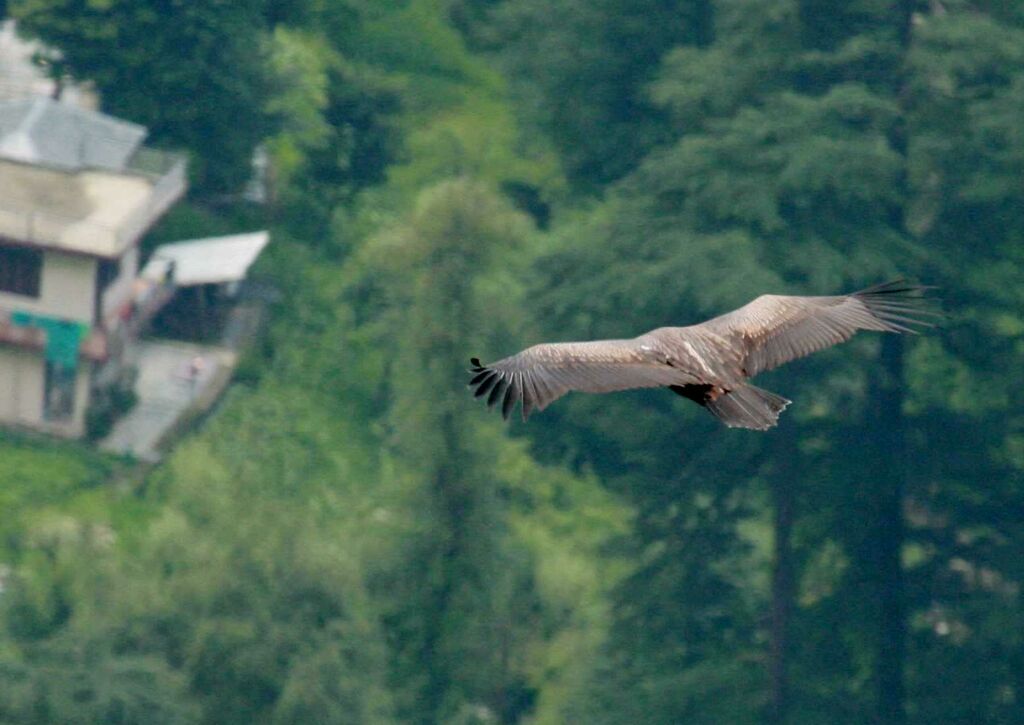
351, 538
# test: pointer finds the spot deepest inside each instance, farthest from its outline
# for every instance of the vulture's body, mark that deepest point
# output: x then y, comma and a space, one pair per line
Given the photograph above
708, 363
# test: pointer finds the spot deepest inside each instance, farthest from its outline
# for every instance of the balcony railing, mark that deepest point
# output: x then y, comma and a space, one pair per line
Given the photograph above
169, 170
94, 347
147, 299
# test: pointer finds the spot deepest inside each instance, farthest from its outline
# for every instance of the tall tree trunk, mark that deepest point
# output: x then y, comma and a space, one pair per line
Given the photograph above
889, 484
452, 506
783, 581
889, 436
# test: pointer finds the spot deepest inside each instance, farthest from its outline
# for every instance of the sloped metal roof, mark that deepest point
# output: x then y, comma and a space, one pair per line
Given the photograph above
46, 132
213, 260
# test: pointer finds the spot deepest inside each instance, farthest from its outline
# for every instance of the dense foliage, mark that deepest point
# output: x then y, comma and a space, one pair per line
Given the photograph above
350, 539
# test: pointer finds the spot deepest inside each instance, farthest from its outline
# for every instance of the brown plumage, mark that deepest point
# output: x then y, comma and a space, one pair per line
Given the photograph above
708, 363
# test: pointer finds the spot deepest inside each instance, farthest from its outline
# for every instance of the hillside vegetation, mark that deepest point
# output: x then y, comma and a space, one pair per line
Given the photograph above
351, 538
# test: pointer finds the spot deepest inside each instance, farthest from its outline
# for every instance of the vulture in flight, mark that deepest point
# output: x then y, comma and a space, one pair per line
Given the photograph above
707, 363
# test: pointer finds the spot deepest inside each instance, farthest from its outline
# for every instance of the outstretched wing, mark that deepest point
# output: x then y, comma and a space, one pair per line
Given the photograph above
775, 329
543, 373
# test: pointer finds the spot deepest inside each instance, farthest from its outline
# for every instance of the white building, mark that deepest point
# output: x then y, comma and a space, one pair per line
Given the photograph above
77, 192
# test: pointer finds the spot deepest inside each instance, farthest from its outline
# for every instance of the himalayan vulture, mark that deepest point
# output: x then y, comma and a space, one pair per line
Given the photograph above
707, 363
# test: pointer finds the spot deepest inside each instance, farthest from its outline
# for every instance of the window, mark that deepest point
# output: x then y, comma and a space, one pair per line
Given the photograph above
20, 270
59, 393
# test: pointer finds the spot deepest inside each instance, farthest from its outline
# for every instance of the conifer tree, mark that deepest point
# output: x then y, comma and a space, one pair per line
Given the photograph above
799, 150
459, 614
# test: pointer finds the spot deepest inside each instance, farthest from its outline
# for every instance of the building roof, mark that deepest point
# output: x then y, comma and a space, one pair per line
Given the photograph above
78, 180
213, 260
45, 132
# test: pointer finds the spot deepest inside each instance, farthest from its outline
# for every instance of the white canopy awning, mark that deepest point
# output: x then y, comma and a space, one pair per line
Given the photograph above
214, 260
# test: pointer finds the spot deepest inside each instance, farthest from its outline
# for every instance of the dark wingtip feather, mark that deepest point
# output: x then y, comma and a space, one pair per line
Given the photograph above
511, 395
901, 305
485, 385
897, 285
496, 386
497, 391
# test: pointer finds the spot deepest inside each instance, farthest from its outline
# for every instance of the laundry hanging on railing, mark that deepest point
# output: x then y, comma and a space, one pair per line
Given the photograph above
63, 337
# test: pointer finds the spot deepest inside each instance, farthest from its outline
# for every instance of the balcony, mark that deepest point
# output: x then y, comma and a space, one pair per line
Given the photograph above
94, 347
95, 212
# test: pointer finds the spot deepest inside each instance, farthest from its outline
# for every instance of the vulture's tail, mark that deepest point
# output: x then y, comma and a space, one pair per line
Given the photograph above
748, 406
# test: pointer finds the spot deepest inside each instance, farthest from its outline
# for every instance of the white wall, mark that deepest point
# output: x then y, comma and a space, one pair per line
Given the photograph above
22, 382
21, 386
90, 212
66, 289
